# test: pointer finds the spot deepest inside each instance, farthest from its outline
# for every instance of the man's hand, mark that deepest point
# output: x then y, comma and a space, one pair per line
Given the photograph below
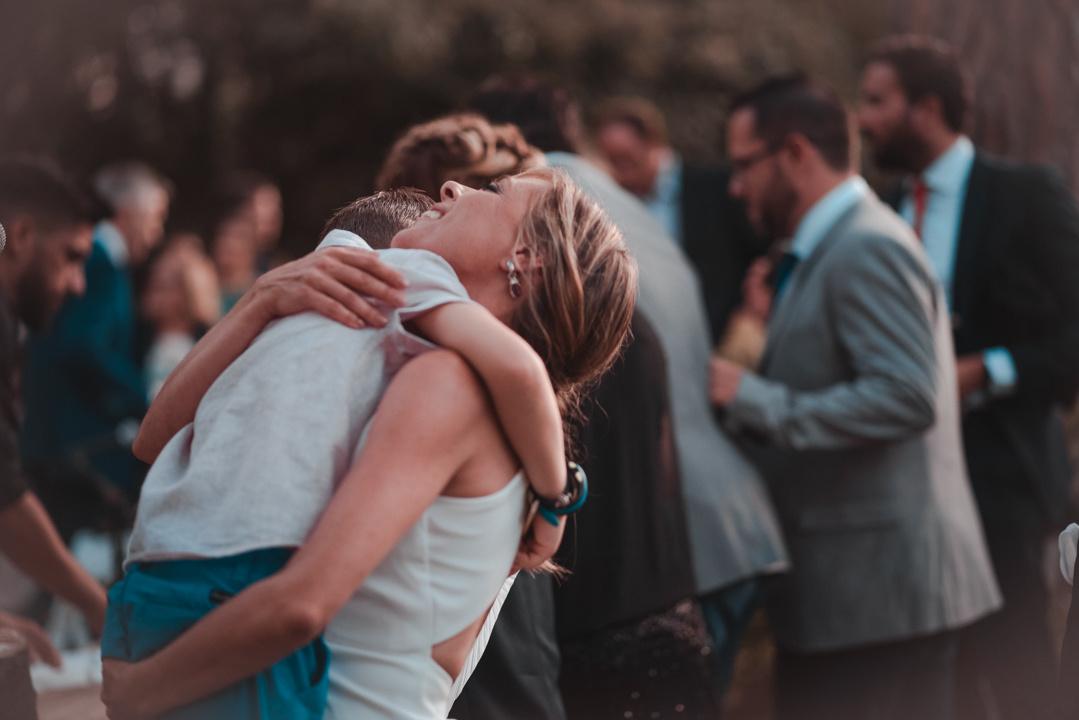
970, 371
336, 282
539, 543
756, 292
37, 640
726, 377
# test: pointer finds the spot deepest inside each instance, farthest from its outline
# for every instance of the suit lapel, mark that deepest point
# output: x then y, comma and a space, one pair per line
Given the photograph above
971, 228
801, 275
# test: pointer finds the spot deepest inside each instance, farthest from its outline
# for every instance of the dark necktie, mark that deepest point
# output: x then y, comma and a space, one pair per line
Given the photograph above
783, 271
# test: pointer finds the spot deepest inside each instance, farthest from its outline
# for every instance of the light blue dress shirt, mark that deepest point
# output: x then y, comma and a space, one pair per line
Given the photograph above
665, 202
820, 218
946, 180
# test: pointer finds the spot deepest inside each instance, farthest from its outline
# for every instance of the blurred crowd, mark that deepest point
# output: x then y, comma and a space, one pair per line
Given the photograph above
853, 425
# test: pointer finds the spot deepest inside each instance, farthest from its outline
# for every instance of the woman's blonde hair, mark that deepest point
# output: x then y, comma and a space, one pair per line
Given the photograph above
463, 147
579, 302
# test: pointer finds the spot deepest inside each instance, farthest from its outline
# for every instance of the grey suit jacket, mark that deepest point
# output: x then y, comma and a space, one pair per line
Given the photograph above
857, 404
733, 530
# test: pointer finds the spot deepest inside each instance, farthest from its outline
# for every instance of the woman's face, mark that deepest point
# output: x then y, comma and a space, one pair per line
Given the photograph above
475, 230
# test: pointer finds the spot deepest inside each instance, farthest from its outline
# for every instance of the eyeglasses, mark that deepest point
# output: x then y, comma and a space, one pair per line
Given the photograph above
742, 165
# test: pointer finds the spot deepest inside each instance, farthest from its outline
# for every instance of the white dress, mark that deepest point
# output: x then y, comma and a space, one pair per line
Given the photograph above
440, 578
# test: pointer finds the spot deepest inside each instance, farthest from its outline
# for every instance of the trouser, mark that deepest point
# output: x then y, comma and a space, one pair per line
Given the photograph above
1006, 661
156, 602
518, 674
728, 612
895, 681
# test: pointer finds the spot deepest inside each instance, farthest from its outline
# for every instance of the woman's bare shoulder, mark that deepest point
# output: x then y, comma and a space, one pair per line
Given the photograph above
442, 377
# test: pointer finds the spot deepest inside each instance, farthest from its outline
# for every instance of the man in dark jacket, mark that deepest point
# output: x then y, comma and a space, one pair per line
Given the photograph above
1004, 240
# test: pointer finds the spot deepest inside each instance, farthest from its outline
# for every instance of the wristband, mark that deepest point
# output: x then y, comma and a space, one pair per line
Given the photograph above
572, 498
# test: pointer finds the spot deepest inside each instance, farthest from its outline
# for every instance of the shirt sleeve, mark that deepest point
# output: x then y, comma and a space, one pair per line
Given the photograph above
431, 281
1000, 368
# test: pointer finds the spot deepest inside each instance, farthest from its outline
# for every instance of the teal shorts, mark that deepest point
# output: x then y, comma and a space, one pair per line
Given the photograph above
156, 602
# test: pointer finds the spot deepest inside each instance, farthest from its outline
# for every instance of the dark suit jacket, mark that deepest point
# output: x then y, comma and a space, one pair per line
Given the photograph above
81, 377
1016, 286
718, 240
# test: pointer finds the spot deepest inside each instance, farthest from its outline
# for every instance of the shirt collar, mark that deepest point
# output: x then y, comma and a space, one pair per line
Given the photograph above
669, 179
343, 238
110, 239
825, 213
948, 173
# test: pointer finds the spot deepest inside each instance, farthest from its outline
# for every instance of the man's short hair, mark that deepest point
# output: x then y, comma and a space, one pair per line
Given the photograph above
545, 112
789, 104
927, 67
640, 115
377, 218
128, 183
38, 188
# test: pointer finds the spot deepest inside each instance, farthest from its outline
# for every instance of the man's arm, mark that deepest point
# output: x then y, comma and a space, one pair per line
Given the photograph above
428, 402
329, 282
518, 383
29, 540
1049, 366
883, 305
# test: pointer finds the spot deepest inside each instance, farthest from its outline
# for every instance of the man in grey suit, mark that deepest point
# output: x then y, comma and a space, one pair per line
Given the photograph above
856, 406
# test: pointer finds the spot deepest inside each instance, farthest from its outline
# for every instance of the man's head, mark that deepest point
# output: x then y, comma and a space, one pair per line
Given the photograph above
788, 142
632, 134
139, 199
259, 197
377, 218
546, 113
48, 223
914, 101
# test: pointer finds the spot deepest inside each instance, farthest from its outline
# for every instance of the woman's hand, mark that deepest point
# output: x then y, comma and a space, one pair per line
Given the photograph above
336, 282
539, 543
37, 640
121, 693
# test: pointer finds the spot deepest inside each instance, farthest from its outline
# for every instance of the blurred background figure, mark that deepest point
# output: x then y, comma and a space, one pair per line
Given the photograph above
1004, 240
259, 199
48, 224
84, 389
234, 250
181, 301
690, 201
462, 147
734, 534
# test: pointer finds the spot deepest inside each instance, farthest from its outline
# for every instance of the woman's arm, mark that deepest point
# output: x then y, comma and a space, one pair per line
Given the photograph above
329, 282
429, 401
518, 382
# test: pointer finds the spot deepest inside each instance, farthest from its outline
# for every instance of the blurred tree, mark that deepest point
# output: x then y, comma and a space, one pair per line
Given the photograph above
1023, 60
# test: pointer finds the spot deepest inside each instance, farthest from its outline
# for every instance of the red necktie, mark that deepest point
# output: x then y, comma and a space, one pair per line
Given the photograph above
920, 195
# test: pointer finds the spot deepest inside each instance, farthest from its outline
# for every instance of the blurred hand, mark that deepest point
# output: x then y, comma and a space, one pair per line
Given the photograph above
970, 371
37, 640
539, 543
756, 292
726, 377
337, 282
119, 690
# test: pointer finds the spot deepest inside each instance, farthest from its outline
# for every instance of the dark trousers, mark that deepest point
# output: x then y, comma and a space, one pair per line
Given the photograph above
518, 674
906, 680
1069, 657
728, 612
1006, 661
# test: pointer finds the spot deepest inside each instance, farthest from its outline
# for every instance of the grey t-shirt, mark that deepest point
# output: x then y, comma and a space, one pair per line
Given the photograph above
279, 428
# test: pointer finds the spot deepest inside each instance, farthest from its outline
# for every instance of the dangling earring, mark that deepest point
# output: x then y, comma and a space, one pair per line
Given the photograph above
514, 279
